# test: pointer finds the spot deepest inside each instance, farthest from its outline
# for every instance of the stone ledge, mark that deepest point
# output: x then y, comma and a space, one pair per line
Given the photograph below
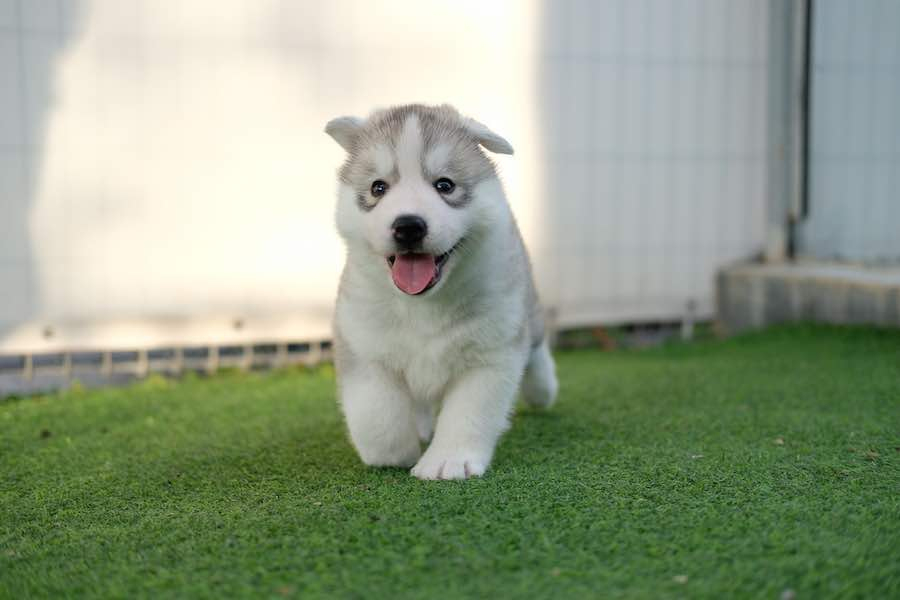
750, 296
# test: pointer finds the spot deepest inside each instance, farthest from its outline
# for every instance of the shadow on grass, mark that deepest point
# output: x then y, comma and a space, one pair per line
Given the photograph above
313, 458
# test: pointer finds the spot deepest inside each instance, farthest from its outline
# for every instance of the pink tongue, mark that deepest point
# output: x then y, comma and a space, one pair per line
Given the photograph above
413, 272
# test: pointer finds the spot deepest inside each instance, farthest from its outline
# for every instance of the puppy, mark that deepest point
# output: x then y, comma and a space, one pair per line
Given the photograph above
437, 323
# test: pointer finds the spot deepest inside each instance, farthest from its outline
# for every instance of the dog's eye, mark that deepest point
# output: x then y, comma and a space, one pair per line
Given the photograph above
379, 187
444, 185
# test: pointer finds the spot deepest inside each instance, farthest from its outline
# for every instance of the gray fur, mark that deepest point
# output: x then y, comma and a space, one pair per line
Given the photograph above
439, 125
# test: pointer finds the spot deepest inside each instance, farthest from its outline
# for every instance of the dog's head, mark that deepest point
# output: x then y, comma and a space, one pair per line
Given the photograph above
415, 187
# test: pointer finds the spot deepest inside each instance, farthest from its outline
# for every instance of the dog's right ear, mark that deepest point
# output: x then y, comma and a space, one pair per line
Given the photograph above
487, 138
345, 131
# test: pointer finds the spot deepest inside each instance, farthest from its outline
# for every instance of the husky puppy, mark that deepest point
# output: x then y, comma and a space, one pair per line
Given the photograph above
437, 323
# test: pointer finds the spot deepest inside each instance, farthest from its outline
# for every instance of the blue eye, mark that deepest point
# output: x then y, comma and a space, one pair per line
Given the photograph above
444, 185
379, 188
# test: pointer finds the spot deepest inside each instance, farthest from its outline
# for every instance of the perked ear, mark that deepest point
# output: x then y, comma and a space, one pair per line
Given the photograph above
345, 130
487, 138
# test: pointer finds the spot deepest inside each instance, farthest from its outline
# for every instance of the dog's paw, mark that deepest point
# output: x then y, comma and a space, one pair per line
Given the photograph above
435, 465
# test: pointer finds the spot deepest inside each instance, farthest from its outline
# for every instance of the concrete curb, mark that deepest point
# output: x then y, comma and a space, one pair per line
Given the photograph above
751, 296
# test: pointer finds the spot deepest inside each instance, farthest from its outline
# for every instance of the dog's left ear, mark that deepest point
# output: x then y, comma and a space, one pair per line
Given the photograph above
345, 131
487, 138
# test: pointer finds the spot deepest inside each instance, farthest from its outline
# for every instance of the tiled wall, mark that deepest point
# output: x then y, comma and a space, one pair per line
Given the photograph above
165, 160
854, 209
30, 35
654, 115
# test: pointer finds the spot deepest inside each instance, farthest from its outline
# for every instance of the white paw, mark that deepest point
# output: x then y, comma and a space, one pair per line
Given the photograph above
462, 465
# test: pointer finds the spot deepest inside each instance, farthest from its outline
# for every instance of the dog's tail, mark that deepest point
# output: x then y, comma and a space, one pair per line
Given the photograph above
539, 385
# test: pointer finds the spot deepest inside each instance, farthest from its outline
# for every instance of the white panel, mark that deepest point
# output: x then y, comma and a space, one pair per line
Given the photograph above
553, 94
658, 111
632, 112
660, 23
39, 15
602, 19
741, 37
180, 172
687, 46
38, 80
606, 118
554, 32
8, 14
633, 37
12, 178
13, 233
581, 27
129, 19
15, 274
578, 108
10, 91
854, 211
678, 123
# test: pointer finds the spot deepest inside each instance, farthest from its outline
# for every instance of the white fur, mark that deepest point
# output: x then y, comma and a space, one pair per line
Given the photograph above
344, 131
457, 352
384, 161
437, 157
488, 138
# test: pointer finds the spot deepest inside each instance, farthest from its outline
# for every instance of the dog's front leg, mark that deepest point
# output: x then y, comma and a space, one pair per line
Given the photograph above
380, 417
474, 415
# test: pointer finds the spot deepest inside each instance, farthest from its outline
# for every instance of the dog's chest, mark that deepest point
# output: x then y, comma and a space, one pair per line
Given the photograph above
427, 360
430, 344
426, 349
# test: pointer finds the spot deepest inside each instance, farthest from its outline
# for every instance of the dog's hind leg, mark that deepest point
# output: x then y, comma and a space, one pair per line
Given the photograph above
539, 384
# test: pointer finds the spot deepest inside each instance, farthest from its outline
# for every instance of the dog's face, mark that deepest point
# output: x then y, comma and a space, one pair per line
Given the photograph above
414, 188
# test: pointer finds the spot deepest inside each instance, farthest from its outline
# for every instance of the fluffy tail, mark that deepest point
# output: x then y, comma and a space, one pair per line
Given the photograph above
539, 385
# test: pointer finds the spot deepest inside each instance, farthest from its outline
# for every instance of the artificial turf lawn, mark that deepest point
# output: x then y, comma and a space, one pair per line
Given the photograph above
741, 468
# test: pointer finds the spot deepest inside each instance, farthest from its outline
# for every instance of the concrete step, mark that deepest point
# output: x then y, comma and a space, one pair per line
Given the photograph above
750, 296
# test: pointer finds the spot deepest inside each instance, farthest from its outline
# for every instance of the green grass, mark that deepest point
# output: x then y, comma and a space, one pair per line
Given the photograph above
750, 466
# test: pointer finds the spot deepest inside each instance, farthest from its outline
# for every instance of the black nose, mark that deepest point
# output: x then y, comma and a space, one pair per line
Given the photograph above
409, 230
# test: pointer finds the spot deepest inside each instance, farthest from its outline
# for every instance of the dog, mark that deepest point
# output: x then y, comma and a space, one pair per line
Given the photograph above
437, 323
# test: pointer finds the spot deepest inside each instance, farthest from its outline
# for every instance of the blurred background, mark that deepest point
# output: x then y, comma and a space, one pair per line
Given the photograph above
167, 191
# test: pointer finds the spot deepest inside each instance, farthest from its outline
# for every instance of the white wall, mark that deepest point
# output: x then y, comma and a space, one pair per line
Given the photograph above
164, 173
854, 210
654, 116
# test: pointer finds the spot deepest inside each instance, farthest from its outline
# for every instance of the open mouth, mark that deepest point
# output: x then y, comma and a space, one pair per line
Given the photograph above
415, 273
